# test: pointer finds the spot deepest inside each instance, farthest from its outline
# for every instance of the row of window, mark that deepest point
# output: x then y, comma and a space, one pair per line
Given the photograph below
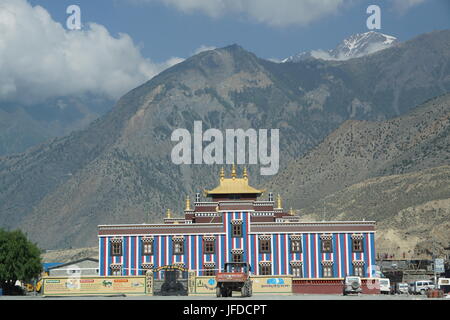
209, 247
266, 270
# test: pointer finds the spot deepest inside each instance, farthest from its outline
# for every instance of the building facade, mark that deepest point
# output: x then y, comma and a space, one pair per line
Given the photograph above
236, 225
82, 267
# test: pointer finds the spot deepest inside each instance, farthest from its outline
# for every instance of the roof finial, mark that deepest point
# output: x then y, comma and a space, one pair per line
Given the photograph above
291, 211
169, 214
233, 171
222, 173
188, 204
245, 173
279, 202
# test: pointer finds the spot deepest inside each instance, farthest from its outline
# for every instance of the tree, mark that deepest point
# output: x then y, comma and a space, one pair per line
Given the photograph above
19, 259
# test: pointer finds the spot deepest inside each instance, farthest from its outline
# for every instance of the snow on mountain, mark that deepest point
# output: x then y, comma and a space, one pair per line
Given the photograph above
355, 46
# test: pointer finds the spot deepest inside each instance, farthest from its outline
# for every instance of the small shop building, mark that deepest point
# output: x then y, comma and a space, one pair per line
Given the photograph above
81, 267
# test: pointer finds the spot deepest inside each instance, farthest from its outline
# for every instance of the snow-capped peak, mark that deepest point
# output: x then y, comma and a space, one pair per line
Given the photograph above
355, 46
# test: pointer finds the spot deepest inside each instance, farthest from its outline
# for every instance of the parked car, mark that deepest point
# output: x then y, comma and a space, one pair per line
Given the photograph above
401, 288
385, 286
421, 286
352, 285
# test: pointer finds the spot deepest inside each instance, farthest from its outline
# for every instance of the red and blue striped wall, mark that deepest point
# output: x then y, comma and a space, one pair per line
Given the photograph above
280, 256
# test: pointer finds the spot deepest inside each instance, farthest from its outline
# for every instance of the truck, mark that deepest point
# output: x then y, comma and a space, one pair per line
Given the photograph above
444, 285
234, 277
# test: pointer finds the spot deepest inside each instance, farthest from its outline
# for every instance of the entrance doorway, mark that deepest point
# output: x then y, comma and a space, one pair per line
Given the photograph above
170, 281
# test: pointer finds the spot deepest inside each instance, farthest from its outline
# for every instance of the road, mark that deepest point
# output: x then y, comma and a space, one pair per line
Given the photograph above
254, 297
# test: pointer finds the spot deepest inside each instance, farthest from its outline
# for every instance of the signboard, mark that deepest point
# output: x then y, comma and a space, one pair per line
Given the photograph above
272, 284
205, 285
439, 265
170, 268
68, 286
260, 285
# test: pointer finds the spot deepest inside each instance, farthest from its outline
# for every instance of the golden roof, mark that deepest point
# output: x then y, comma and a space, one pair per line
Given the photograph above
233, 185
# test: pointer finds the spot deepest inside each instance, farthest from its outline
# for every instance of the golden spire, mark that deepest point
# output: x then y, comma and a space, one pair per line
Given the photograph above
245, 173
233, 171
291, 212
279, 202
222, 173
188, 204
169, 214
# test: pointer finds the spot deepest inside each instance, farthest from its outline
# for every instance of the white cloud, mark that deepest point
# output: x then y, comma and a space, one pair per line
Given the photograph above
275, 13
41, 59
404, 5
204, 48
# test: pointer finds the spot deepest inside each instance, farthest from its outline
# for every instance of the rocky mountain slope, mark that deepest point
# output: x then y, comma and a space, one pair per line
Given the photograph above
359, 150
69, 255
378, 171
412, 210
26, 125
119, 170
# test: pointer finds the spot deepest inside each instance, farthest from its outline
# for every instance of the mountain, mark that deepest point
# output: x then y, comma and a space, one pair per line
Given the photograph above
119, 169
396, 172
360, 150
412, 210
357, 45
23, 126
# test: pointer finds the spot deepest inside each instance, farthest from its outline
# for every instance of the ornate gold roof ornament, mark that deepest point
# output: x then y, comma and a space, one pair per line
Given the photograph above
169, 213
188, 204
233, 185
291, 212
279, 202
222, 173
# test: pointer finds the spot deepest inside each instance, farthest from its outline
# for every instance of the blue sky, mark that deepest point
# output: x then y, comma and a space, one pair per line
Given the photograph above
163, 31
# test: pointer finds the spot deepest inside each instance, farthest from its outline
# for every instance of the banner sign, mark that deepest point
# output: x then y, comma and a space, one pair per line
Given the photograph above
260, 285
67, 286
170, 268
272, 284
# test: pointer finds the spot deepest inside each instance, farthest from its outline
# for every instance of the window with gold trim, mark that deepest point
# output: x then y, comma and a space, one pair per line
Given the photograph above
116, 247
116, 269
296, 246
236, 230
209, 246
147, 247
178, 246
264, 246
265, 269
327, 246
357, 245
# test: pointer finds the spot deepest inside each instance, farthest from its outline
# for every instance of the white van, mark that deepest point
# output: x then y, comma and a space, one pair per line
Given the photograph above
385, 286
444, 284
421, 286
